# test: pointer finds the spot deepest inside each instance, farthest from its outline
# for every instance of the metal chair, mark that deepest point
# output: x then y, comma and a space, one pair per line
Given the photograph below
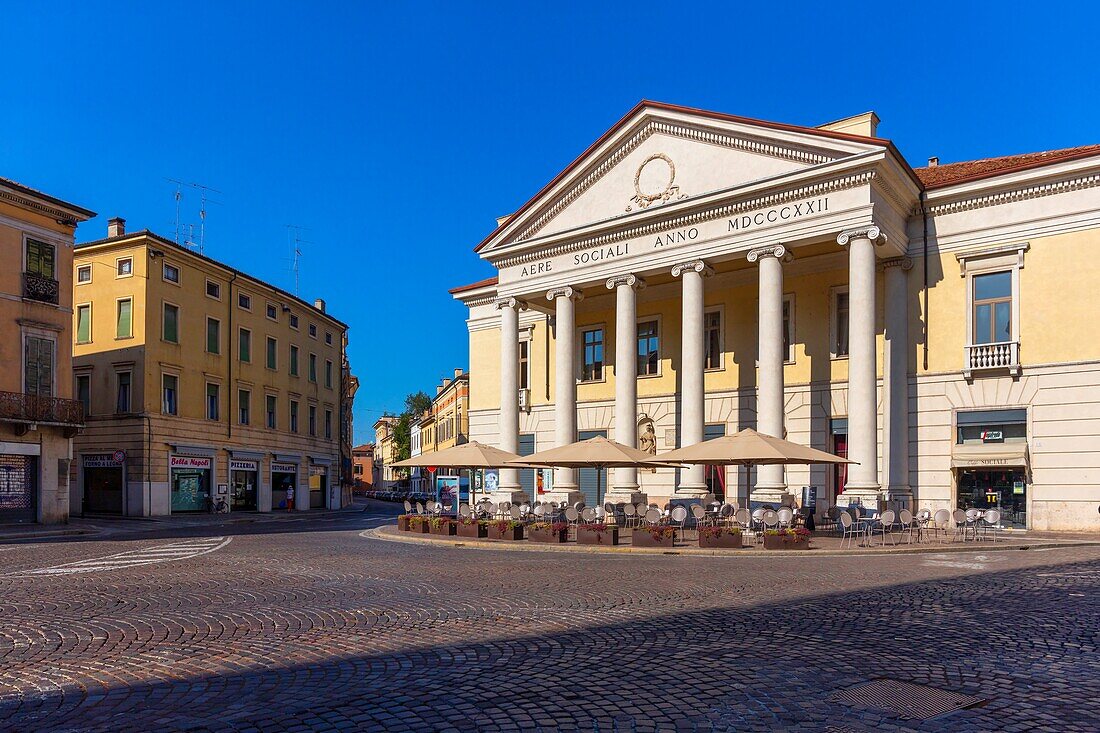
849, 530
629, 514
786, 517
743, 519
572, 518
408, 507
958, 518
758, 519
588, 514
699, 514
909, 523
679, 516
940, 522
992, 521
725, 514
885, 527
420, 508
769, 518
973, 516
653, 515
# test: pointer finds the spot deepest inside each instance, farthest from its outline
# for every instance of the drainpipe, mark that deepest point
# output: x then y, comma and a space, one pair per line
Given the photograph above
229, 368
924, 294
148, 511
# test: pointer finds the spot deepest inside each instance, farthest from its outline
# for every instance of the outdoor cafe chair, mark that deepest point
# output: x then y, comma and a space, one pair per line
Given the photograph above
786, 517
699, 514
653, 516
940, 523
588, 514
679, 516
742, 519
849, 530
515, 512
725, 514
770, 520
884, 526
962, 526
464, 510
539, 511
758, 519
572, 516
973, 516
909, 524
629, 514
408, 507
991, 521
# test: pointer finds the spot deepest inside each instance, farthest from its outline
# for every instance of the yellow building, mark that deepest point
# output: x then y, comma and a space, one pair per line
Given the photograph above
204, 382
385, 453
450, 411
38, 415
694, 273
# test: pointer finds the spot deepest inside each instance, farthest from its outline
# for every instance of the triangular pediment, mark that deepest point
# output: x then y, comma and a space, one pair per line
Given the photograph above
660, 155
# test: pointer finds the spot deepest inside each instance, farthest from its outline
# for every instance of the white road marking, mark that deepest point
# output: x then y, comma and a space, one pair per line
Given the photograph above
135, 558
946, 561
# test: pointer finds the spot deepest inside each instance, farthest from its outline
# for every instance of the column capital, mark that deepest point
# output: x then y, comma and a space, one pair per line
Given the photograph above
778, 251
574, 294
693, 266
905, 263
636, 282
873, 233
511, 302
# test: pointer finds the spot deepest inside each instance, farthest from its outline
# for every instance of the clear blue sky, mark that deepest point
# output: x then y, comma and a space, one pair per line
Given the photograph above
396, 132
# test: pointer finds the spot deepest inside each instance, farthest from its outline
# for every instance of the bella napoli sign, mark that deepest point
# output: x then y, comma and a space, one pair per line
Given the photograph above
729, 225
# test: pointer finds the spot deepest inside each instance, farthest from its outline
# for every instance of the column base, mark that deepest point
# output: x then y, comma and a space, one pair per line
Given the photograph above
616, 496
777, 495
870, 497
899, 497
692, 491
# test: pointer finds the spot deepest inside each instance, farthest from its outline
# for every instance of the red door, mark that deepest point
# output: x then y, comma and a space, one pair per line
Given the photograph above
840, 470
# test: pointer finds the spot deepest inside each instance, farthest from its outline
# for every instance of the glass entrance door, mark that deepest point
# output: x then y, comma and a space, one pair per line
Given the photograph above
1003, 489
243, 490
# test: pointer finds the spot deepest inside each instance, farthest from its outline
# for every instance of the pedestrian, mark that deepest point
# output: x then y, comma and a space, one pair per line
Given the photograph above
290, 498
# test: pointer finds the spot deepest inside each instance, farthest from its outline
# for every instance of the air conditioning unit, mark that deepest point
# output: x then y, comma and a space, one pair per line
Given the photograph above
524, 399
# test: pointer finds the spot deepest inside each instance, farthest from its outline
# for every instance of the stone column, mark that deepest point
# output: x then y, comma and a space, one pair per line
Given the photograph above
624, 483
862, 370
692, 397
509, 392
895, 383
771, 485
565, 382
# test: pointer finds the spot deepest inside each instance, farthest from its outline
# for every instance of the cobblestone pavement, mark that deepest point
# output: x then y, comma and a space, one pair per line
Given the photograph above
297, 626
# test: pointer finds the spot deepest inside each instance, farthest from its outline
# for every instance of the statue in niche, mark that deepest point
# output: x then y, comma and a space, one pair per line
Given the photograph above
647, 441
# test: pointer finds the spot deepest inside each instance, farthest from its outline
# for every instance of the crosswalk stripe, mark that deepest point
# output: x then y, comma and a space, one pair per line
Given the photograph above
134, 558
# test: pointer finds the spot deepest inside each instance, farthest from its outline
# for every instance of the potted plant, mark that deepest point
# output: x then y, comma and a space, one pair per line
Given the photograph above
403, 523
797, 538
556, 532
442, 525
471, 528
720, 537
418, 523
597, 534
506, 529
659, 535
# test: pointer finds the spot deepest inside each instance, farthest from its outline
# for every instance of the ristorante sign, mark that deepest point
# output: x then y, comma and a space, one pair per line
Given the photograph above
740, 223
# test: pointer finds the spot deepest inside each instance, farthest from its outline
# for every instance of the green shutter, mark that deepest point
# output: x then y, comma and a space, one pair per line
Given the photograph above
83, 324
40, 258
213, 336
246, 345
272, 345
293, 361
171, 323
124, 326
39, 367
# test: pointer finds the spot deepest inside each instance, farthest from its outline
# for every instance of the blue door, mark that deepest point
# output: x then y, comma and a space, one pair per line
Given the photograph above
587, 477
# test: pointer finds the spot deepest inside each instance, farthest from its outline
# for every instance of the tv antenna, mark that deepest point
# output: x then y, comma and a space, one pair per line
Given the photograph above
297, 242
203, 193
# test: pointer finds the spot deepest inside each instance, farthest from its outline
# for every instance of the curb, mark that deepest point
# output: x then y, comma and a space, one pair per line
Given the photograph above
46, 534
389, 534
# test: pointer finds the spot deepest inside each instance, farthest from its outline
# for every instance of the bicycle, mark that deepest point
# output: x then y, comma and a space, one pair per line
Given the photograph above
219, 506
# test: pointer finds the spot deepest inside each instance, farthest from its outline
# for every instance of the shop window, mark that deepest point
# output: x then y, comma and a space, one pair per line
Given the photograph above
649, 364
978, 427
593, 360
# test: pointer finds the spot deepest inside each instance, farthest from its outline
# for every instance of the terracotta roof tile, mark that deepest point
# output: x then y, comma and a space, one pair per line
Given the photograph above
473, 286
972, 170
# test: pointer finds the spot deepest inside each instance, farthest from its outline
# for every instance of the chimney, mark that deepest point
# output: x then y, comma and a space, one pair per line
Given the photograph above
438, 389
116, 227
458, 373
319, 305
933, 162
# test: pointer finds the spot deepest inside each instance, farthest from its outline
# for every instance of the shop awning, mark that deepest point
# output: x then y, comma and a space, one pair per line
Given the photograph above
1000, 455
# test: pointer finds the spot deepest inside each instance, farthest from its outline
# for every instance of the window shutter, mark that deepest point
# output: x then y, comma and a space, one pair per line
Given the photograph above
83, 324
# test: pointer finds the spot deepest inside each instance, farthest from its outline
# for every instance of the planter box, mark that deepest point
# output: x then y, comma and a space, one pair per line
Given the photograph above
422, 528
642, 537
609, 536
447, 529
474, 531
403, 523
508, 534
548, 535
785, 542
725, 541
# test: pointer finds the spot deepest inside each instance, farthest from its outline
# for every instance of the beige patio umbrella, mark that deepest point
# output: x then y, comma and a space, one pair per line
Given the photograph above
471, 456
595, 453
747, 448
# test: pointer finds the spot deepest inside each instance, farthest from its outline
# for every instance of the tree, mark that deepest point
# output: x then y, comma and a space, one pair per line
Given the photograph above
416, 404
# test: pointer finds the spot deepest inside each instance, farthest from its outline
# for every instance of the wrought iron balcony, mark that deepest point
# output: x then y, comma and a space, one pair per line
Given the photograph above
28, 409
1002, 355
37, 287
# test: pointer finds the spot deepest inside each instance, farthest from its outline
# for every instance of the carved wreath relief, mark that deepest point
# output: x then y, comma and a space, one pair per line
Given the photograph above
655, 182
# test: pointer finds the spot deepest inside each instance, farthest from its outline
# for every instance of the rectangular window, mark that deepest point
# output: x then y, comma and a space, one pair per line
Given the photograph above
313, 330
244, 300
328, 374
293, 321
213, 402
272, 312
592, 369
313, 368
648, 349
170, 388
525, 364
993, 308
38, 366
712, 334
84, 323
244, 351
84, 391
328, 424
313, 419
244, 405
213, 290
293, 416
840, 325
328, 338
171, 273
272, 406
124, 326
213, 336
122, 397
124, 267
83, 274
272, 353
41, 259
788, 328
171, 323
293, 361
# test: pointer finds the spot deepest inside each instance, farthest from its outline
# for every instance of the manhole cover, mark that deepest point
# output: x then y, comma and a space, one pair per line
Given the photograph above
905, 699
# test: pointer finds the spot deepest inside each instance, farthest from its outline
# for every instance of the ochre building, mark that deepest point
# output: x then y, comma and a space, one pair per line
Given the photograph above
695, 273
38, 412
201, 382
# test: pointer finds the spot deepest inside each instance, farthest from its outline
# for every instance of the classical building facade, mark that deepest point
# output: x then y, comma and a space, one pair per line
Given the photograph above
38, 413
201, 381
695, 273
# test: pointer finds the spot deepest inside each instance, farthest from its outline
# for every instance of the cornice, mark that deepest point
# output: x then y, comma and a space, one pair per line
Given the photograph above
746, 143
765, 200
1019, 193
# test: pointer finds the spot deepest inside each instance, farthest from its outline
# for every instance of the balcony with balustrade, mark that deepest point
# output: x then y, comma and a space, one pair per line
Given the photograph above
40, 288
1002, 356
27, 411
